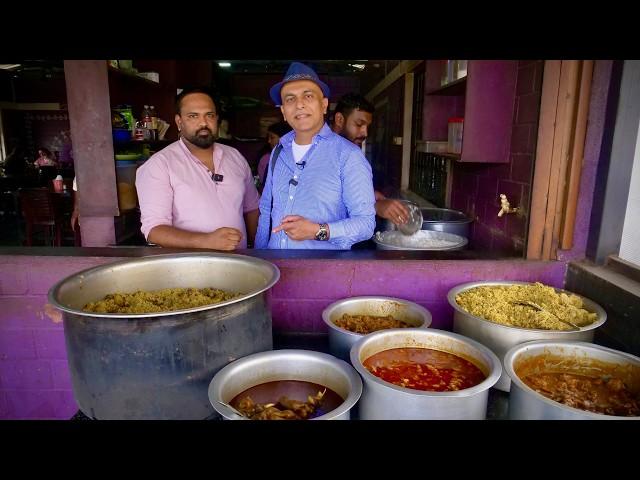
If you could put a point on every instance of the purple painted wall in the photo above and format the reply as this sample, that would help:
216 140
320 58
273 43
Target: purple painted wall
476 187
34 379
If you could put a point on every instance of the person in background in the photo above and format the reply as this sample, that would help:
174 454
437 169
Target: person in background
45 159
197 193
75 214
274 132
319 194
352 118
15 163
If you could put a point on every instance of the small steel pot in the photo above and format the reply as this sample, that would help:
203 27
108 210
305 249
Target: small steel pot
303 365
500 338
341 340
578 357
384 401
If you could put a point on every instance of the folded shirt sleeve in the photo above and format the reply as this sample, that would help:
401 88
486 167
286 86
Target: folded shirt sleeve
155 196
359 199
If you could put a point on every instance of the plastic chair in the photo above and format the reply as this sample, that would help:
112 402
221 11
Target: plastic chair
40 209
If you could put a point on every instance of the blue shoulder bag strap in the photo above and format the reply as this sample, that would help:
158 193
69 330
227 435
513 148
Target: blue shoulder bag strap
270 175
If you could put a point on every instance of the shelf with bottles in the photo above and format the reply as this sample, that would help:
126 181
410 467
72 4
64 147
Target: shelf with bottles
151 143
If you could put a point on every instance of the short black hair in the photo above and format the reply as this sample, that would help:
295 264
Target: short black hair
199 89
351 101
279 128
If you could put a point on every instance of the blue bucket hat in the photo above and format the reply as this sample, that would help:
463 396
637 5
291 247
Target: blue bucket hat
297 71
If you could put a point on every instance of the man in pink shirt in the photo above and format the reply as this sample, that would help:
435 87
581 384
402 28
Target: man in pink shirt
197 193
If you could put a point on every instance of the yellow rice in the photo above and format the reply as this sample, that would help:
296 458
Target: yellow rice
496 304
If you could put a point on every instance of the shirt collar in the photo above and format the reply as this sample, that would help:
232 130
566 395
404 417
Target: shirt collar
217 153
324 133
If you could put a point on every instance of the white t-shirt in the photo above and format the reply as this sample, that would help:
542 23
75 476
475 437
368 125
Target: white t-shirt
299 151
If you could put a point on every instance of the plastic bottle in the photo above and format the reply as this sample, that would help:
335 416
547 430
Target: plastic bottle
154 122
147 123
456 126
146 117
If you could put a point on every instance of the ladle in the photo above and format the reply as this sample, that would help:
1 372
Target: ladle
535 306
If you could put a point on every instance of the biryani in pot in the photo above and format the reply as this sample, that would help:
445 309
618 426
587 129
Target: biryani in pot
504 304
166 300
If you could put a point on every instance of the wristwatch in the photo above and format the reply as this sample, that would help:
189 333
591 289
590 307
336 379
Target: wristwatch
323 233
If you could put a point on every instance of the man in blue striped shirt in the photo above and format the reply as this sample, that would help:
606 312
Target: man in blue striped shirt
320 192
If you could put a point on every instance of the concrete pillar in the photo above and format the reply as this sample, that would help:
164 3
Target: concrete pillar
90 119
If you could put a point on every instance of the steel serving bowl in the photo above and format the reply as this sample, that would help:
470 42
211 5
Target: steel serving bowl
341 340
500 338
384 401
303 365
576 357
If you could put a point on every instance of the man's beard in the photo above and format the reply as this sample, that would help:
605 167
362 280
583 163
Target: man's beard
202 141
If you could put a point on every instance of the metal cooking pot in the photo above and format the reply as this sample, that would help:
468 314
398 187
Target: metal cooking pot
159 365
527 404
500 338
341 340
441 220
384 401
303 365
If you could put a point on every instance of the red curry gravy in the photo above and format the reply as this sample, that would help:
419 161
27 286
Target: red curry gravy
424 369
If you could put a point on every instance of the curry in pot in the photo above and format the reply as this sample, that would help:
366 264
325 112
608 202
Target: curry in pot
424 369
604 395
365 324
286 400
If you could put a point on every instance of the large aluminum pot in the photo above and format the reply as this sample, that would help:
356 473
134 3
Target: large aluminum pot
500 338
341 340
159 365
575 357
384 401
441 220
303 365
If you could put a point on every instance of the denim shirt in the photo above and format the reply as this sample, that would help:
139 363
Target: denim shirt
334 186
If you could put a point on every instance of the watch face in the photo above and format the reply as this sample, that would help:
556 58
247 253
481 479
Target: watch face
322 234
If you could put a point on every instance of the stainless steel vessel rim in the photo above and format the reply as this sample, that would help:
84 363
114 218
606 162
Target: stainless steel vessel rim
508 366
448 221
492 378
466 219
347 369
451 296
462 243
55 288
330 324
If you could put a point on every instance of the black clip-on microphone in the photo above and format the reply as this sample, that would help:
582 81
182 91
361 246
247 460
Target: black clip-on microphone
217 178
300 166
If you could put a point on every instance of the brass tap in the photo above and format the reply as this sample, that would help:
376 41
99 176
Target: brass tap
505 206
